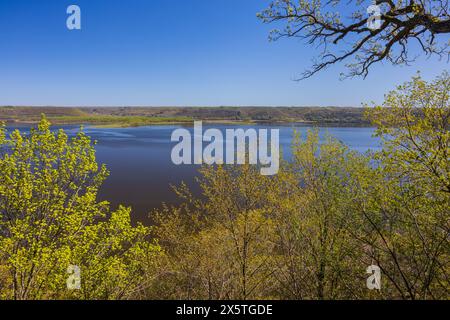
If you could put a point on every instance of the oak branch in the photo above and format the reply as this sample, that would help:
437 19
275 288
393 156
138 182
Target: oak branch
351 40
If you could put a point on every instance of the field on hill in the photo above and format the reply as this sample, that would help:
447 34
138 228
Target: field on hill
138 116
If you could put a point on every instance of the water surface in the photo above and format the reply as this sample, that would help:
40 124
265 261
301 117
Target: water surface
141 170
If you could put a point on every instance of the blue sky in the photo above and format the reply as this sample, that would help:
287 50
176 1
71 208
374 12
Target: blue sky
168 53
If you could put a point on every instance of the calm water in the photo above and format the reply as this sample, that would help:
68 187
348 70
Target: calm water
141 170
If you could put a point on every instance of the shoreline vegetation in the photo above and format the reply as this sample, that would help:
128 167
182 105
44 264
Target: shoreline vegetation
143 116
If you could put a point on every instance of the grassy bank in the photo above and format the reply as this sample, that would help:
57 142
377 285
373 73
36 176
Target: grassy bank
117 121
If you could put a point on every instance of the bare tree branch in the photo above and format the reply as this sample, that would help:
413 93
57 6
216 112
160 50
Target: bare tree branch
321 23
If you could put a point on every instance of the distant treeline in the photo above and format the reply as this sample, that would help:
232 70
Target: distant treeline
145 115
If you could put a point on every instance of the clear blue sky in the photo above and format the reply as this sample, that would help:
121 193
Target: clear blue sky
168 53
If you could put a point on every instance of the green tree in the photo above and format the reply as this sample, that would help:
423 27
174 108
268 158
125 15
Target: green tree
50 219
320 256
406 206
414 123
218 246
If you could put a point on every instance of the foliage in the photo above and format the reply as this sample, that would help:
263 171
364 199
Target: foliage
50 219
309 232
408 220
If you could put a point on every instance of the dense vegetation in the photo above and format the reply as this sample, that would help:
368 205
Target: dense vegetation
309 232
135 116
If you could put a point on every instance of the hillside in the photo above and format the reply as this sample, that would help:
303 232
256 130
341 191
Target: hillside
129 116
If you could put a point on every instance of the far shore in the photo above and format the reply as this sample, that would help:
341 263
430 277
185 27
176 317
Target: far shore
121 117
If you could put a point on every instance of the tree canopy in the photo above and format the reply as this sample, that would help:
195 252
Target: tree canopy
50 219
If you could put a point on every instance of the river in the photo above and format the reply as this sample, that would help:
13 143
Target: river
141 170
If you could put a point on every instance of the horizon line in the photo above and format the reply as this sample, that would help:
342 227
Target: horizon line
177 106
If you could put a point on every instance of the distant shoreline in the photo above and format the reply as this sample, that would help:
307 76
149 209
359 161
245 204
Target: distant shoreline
114 117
